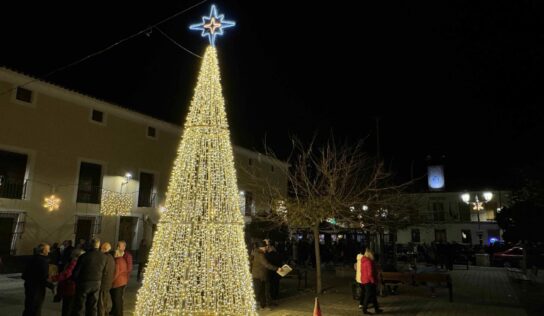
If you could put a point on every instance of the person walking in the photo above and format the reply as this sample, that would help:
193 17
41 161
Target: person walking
143 255
88 276
369 279
259 272
120 281
66 287
275 259
104 297
36 276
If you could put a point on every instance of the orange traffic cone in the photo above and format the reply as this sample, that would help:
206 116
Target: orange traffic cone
317 309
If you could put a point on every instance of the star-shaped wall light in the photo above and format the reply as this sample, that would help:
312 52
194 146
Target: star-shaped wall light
51 203
212 25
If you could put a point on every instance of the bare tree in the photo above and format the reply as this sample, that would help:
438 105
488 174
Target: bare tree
334 182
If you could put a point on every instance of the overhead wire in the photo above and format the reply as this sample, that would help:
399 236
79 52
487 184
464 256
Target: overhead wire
145 30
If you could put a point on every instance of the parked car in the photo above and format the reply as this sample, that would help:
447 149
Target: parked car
509 258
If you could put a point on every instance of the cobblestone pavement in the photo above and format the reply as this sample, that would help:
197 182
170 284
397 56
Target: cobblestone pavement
478 291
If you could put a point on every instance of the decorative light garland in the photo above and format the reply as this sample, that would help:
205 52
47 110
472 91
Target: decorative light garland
198 264
116 203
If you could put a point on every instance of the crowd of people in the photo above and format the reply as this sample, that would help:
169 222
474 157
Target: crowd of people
88 279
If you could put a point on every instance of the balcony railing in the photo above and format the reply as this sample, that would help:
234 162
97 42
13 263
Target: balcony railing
12 188
89 194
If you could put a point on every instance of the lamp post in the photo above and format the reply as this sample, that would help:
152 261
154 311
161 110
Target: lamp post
477 205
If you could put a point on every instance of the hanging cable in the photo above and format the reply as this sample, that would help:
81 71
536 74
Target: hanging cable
176 43
145 30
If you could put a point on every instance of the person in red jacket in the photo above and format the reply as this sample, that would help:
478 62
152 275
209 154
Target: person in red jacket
66 288
120 281
369 279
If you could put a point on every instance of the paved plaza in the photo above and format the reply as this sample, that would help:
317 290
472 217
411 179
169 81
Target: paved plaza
477 291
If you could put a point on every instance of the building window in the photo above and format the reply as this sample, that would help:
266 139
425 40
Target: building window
23 95
97 116
12 174
415 235
89 185
151 132
87 227
440 235
145 192
438 212
466 236
246 203
464 212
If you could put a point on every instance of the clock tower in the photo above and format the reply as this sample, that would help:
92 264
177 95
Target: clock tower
435 173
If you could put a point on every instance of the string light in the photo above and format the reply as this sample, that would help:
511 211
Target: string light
115 203
198 264
51 203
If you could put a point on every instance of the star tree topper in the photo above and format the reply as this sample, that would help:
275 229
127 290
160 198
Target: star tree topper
212 25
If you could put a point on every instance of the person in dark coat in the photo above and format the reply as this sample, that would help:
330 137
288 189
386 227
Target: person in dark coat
259 272
66 255
36 276
66 288
88 276
275 259
104 297
54 254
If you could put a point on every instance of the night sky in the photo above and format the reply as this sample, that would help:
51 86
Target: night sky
459 79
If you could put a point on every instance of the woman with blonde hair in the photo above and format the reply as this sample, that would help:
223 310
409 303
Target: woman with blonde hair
369 279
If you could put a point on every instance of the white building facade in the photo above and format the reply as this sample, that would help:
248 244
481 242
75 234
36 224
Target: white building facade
445 217
54 141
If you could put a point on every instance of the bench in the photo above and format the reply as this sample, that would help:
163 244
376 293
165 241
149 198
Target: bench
394 278
413 279
437 278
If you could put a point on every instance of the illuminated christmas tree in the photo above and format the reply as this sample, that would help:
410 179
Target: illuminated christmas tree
198 263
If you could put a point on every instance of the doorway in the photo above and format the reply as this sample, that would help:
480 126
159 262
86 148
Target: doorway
6 235
84 229
127 230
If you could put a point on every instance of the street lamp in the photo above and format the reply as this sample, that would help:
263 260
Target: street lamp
477 205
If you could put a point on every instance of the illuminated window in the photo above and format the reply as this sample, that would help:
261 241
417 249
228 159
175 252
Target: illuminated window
466 236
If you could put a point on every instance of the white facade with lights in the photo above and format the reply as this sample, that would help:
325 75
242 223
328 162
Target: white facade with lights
447 217
68 153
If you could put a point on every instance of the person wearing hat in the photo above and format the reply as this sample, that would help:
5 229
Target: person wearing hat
259 272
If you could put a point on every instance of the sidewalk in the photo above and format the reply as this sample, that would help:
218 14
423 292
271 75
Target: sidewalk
478 291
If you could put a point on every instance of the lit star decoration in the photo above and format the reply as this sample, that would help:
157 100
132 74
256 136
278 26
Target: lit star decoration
115 203
212 25
478 206
52 203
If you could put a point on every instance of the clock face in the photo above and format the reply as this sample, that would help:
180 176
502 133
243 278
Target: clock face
436 177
